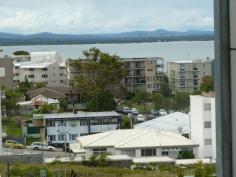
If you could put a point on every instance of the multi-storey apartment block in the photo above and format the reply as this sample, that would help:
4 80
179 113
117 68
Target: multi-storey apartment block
7 80
143 73
203 126
187 75
46 67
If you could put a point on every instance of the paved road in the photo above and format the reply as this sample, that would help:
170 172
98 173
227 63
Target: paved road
46 154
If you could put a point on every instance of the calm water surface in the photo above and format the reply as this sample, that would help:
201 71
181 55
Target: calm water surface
183 50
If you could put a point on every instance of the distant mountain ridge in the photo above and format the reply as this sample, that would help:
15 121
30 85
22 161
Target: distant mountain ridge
134 36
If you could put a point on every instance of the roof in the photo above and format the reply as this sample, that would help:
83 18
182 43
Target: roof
52 92
50 56
177 122
39 100
79 114
134 138
154 160
34 65
191 61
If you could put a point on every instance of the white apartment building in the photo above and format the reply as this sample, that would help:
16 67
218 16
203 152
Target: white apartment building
187 75
61 127
143 73
46 67
203 128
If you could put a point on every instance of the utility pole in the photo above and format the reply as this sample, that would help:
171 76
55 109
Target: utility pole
2 74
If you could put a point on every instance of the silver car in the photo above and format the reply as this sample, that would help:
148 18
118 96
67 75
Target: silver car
40 146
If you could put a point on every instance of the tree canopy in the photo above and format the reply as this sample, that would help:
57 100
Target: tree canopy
207 84
99 74
21 52
165 87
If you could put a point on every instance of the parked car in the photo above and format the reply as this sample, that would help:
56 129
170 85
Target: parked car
140 118
13 144
154 112
126 110
162 112
41 146
134 111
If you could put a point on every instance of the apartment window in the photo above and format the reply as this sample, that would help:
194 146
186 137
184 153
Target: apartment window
52 137
30 69
44 76
61 74
72 136
149 85
51 124
44 69
61 81
61 137
208 141
207 106
73 123
156 85
99 151
62 124
31 76
149 69
149 78
207 124
138 65
83 123
62 67
164 153
148 152
17 67
17 74
129 152
182 82
195 82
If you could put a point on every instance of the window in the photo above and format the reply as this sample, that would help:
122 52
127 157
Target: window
51 124
207 124
149 85
129 152
61 81
83 123
149 69
182 82
195 82
62 124
148 152
73 123
52 137
164 153
99 151
31 76
44 76
73 136
61 137
17 74
30 69
17 67
61 74
208 141
149 78
114 121
94 122
44 69
207 106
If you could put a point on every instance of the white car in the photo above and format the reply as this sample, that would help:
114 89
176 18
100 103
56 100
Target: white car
140 118
134 111
162 112
40 146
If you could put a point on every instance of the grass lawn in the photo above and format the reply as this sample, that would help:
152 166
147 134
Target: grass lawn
56 169
11 127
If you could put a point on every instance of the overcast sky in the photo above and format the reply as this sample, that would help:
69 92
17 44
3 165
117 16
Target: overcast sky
104 16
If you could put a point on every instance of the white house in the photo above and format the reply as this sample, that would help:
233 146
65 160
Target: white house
61 127
203 128
136 143
176 122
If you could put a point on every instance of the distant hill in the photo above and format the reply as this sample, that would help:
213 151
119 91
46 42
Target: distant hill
125 37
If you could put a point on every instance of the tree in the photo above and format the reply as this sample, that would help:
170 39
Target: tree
23 87
142 97
100 74
21 52
10 102
207 84
40 85
165 87
158 100
181 101
46 108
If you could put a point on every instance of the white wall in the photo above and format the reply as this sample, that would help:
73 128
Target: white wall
198 132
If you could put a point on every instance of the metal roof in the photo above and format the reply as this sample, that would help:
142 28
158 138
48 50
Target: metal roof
135 138
79 114
177 122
